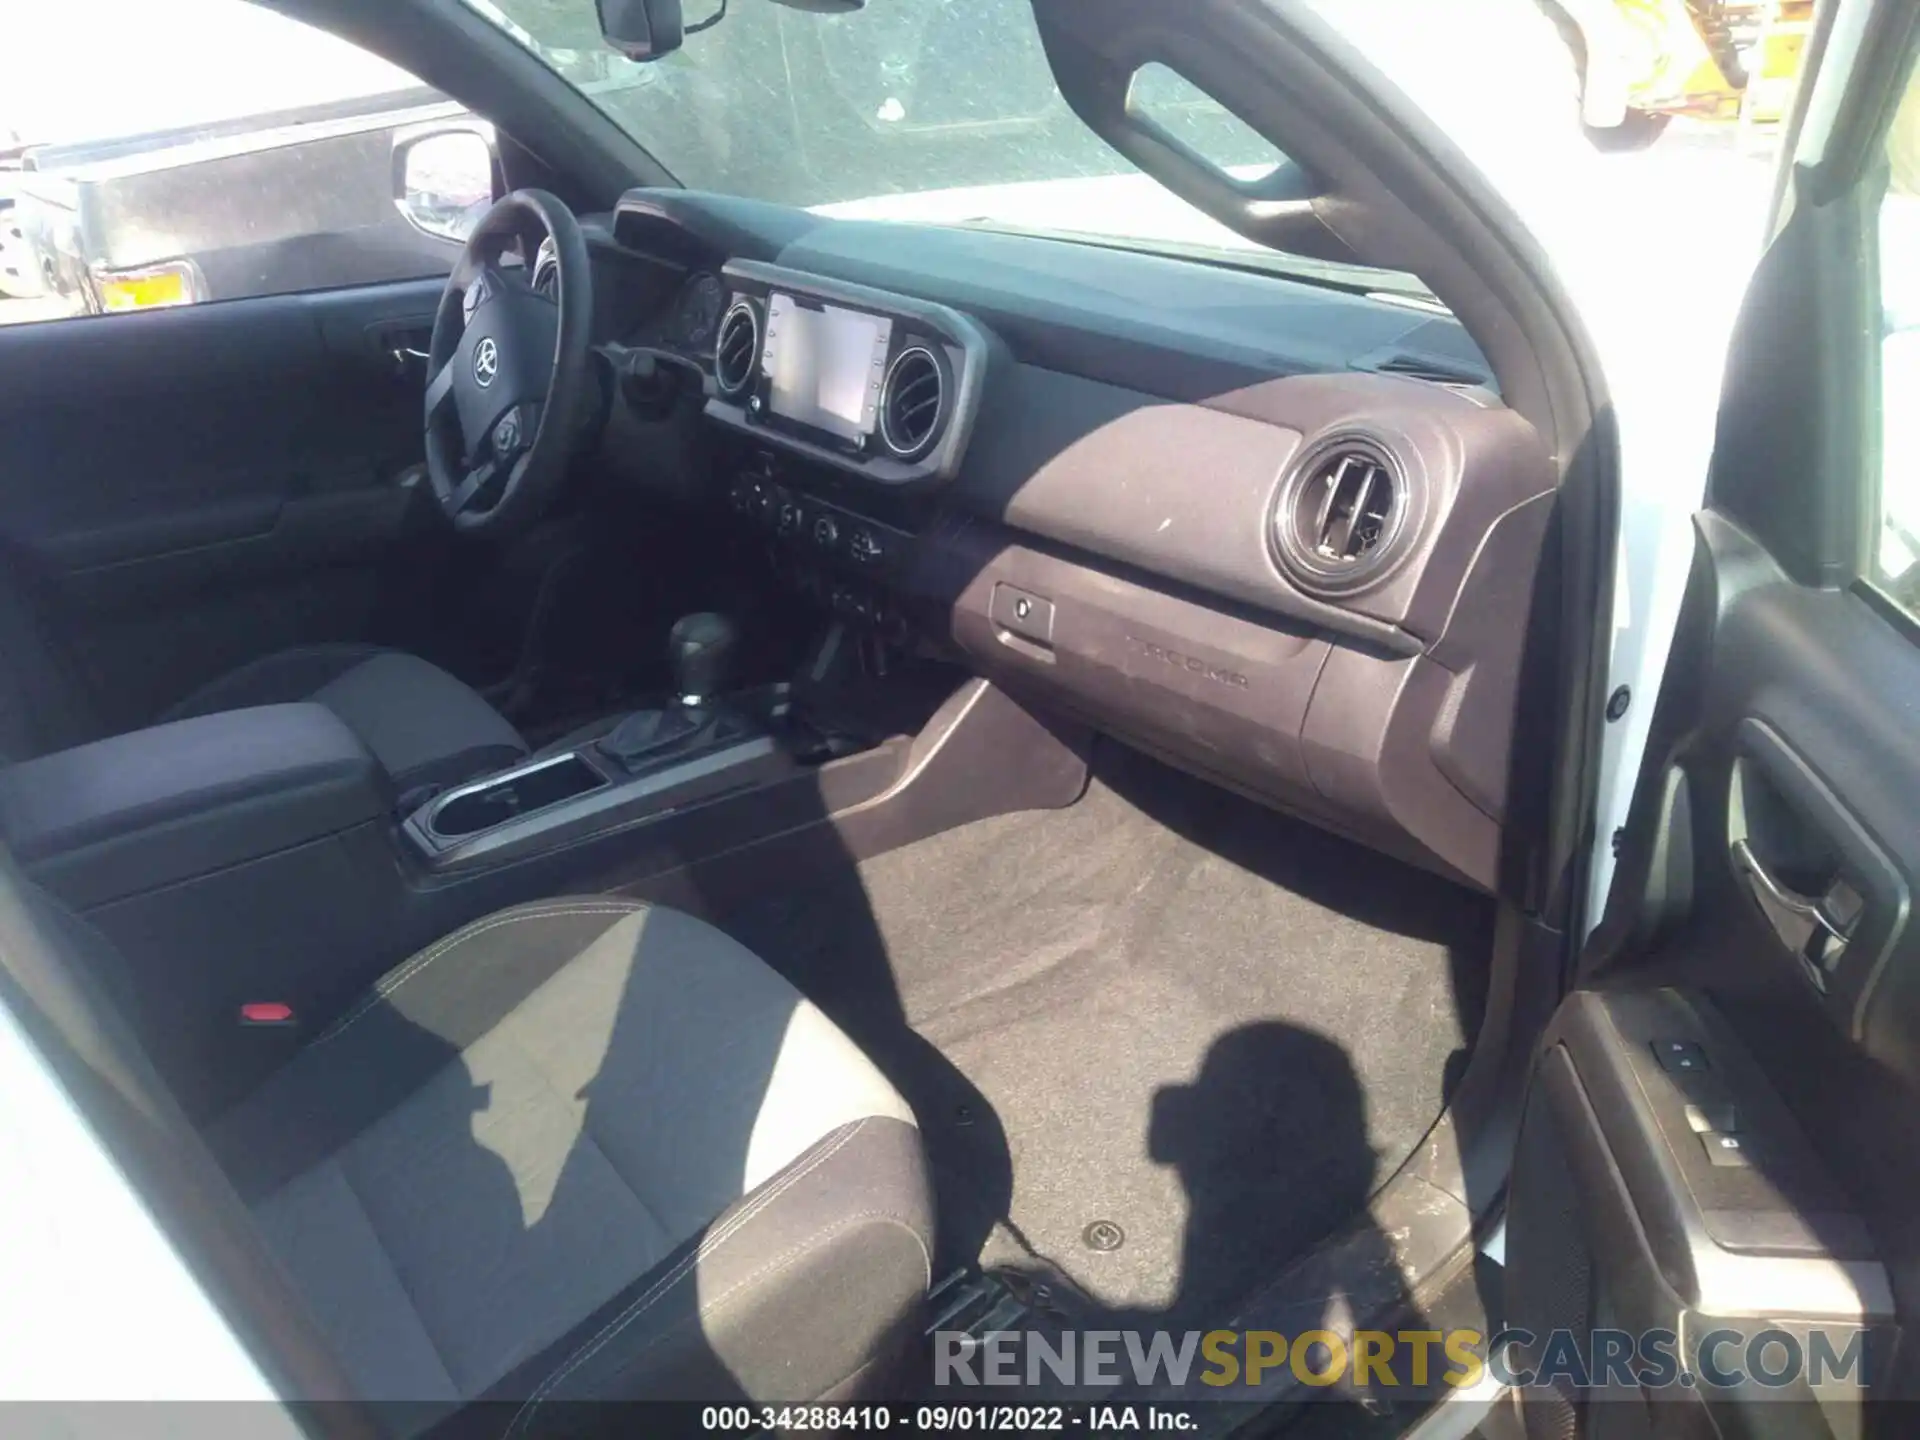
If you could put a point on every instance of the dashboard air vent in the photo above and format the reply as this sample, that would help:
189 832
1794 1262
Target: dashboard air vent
912 402
1427 367
1341 515
736 349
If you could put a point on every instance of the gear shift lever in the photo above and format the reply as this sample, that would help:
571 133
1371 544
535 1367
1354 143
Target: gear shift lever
701 649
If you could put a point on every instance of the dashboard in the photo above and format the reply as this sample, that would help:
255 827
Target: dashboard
697 307
1285 535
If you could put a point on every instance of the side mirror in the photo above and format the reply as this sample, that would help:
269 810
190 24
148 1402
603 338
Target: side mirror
642 29
445 180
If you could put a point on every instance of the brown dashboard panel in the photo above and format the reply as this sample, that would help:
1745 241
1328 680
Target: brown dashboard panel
1397 751
1189 492
1132 578
1227 692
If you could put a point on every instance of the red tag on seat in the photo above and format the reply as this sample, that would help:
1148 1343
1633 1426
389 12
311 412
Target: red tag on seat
266 1012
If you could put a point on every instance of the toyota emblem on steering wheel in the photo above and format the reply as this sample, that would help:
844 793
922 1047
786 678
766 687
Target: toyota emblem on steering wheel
486 361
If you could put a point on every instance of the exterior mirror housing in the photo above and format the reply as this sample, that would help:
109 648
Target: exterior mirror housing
445 179
642 29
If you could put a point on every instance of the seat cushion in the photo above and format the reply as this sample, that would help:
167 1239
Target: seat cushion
424 726
590 1149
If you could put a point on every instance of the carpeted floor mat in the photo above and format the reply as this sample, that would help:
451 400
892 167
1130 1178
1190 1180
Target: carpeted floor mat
1165 1017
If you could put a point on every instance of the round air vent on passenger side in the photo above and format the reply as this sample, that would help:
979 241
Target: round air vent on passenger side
913 402
736 349
1339 522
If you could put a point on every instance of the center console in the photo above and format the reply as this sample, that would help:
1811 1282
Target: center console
168 806
842 411
708 741
590 790
234 859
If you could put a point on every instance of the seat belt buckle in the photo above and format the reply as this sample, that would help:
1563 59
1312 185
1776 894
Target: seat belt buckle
268 1014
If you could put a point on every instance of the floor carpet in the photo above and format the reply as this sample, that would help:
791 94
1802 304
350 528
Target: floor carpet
1163 1017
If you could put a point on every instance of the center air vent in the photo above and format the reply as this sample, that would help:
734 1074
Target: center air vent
736 349
1340 520
912 402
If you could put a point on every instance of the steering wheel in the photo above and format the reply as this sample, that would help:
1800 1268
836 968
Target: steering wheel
509 368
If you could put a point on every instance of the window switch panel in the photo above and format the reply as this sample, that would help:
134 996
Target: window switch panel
1725 1152
1708 1116
1680 1057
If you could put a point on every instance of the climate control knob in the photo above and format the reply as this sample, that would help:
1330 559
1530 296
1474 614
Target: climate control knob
826 532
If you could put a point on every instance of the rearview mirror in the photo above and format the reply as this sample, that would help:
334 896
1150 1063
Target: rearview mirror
443 181
642 29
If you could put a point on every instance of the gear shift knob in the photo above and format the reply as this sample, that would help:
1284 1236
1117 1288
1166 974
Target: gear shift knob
701 650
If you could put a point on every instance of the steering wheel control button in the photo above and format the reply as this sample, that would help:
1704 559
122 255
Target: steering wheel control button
1680 1057
792 517
826 533
506 435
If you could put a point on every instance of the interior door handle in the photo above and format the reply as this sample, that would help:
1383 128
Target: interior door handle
409 363
404 343
1806 926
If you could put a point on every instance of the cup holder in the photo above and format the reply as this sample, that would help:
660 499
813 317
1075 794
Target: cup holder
468 812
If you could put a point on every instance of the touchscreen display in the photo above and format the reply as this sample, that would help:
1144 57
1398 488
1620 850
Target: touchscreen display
826 365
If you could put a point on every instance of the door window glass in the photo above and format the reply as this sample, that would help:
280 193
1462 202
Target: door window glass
1897 552
230 152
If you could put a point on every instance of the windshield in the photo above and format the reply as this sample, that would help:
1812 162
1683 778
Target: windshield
937 110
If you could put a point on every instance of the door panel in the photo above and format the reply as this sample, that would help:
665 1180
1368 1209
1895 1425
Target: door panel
188 488
1718 1134
1720 1128
1807 777
1633 1212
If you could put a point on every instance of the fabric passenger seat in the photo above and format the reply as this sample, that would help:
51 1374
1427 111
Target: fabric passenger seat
589 1148
581 1150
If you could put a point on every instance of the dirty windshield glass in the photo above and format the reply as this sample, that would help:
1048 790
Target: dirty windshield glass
936 110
